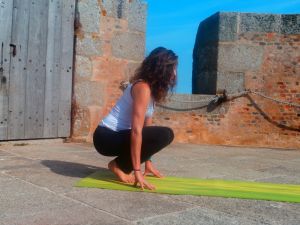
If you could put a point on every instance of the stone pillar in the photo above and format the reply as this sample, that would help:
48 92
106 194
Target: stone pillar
205 56
110 44
221 57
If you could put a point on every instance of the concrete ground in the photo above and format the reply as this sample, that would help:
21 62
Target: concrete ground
37 186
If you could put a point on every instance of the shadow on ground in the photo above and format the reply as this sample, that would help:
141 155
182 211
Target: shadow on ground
71 169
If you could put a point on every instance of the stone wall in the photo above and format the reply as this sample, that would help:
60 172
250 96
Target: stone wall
110 44
236 51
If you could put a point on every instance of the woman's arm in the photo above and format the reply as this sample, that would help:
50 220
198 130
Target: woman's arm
141 95
141 98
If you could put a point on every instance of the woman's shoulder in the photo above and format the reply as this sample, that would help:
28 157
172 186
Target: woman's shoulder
140 85
140 89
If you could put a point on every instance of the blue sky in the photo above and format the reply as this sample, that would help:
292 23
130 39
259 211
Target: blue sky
173 24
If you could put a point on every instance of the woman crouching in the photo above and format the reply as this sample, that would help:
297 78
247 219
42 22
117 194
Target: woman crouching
126 132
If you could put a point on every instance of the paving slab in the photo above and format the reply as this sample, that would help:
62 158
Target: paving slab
25 203
135 205
259 212
37 186
195 215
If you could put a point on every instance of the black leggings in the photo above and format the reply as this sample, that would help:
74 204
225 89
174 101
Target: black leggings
112 143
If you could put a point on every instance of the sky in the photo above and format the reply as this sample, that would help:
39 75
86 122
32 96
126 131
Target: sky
173 24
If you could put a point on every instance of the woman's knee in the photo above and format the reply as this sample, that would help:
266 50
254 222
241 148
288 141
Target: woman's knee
170 135
166 135
158 134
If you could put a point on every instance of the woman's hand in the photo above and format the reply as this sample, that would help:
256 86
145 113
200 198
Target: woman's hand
139 179
149 169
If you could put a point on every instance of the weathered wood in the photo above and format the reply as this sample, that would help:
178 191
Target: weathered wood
6 7
36 76
66 68
18 69
53 65
35 102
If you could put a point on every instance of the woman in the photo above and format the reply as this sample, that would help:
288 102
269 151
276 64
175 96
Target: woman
126 132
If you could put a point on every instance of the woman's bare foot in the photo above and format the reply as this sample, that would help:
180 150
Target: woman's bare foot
150 170
126 178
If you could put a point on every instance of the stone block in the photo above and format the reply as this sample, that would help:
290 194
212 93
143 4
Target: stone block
262 23
228 26
89 93
204 67
218 27
290 24
106 68
137 14
205 83
130 70
83 66
239 58
89 15
129 46
208 31
90 45
81 122
232 82
205 59
117 8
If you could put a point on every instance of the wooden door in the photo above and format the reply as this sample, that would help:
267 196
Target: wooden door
6 9
40 69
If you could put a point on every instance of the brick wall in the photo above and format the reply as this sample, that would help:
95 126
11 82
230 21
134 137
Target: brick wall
110 43
235 52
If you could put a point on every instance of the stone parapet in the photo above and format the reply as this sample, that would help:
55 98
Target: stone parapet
237 52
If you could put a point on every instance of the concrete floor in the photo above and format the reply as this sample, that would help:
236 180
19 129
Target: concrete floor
37 186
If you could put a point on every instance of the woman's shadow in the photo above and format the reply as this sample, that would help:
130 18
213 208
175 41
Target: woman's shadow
72 169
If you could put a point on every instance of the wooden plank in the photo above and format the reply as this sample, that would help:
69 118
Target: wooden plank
6 8
53 65
36 76
64 124
18 70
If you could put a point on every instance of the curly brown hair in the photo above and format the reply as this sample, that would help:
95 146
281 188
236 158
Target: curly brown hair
158 70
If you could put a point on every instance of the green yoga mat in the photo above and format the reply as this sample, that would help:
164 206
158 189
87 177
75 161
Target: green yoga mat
200 187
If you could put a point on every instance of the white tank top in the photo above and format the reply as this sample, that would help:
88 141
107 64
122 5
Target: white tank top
119 118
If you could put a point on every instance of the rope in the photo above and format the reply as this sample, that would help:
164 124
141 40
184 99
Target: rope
217 99
275 100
